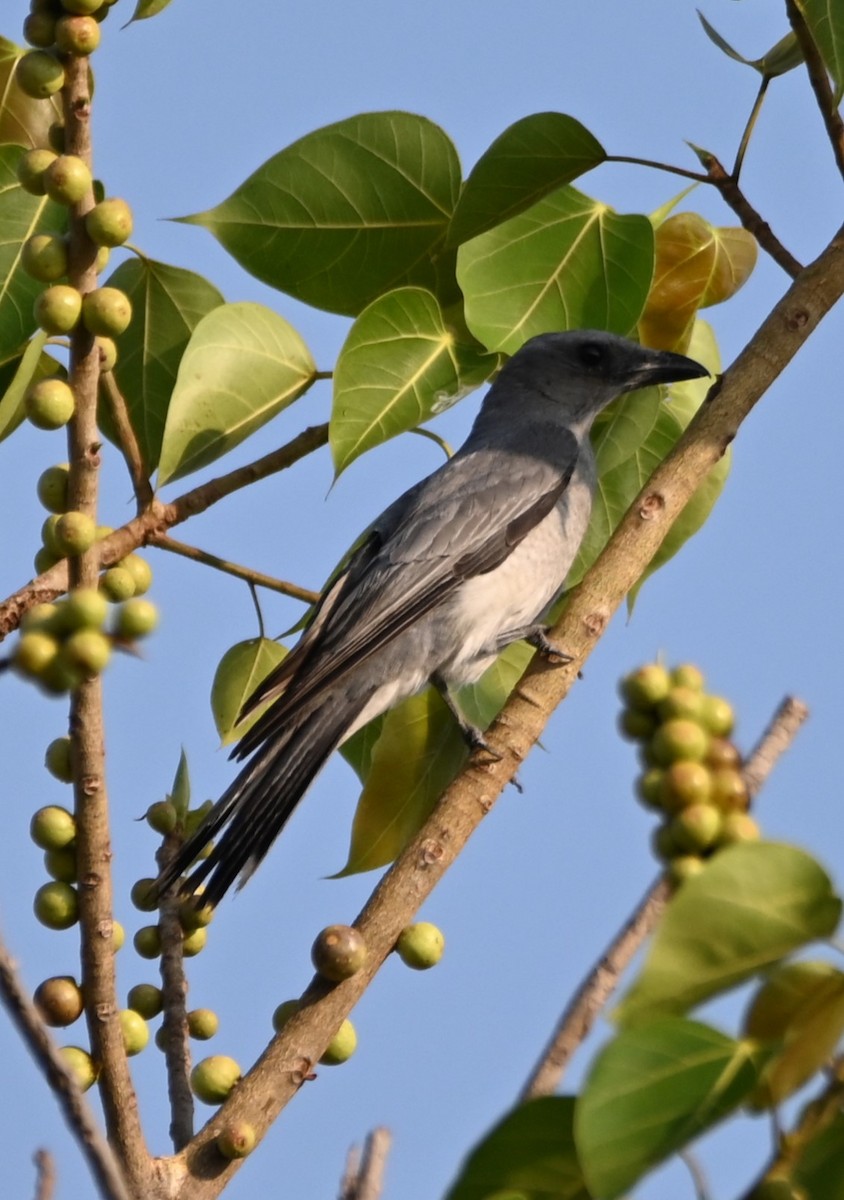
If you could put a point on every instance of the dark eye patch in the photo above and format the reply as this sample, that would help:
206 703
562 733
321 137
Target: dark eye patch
591 354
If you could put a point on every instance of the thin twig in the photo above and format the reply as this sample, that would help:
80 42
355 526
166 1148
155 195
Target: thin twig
749 127
129 447
174 987
780 733
157 519
702 1191
363 1178
819 79
45 1174
48 1058
257 578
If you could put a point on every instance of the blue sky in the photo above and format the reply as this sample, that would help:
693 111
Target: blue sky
187 105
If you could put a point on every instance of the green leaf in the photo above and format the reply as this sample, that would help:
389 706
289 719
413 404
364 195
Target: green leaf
23 121
783 56
168 303
21 215
825 20
241 669
347 212
148 8
530 1151
399 366
418 753
652 1090
32 364
243 365
569 262
752 904
180 794
481 702
820 1166
533 157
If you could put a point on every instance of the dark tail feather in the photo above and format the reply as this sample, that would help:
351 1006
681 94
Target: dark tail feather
258 804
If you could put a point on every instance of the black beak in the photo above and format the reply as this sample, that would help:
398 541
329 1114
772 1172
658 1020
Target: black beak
663 366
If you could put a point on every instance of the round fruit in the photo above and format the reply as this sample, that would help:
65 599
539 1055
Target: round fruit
59 676
683 867
56 905
57 308
39 29
139 569
147 941
56 137
738 827
283 1013
679 740
649 788
34 653
80 1065
681 702
89 650
135 618
135 1031
52 827
697 827
722 753
59 1001
67 180
49 403
146 999
44 257
338 952
717 716
663 844
685 783
195 916
687 675
118 936
106 311
162 816
117 584
213 1078
194 942
39 74
48 537
143 896
341 1047
729 790
85 8
636 725
61 864
77 35
421 945
85 608
108 353
30 170
75 533
52 488
57 759
43 618
237 1139
643 689
203 1023
109 223
43 560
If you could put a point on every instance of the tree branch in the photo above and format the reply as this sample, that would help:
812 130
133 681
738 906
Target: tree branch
288 1060
47 1055
174 986
819 79
364 1175
163 542
45 1175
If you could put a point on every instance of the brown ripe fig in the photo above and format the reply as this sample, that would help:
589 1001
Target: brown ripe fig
696 828
59 1001
44 257
56 905
717 716
644 688
722 753
52 488
77 35
58 761
684 783
681 702
679 740
421 945
338 952
636 725
57 309
39 74
49 403
52 827
236 1139
341 1047
67 180
81 1066
109 223
203 1023
106 311
213 1078
30 170
729 790
146 999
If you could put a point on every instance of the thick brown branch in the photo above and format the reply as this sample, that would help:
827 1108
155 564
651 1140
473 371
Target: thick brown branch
43 1049
163 542
126 439
819 79
157 519
174 986
287 1062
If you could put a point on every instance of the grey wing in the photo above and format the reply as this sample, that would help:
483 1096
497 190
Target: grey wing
462 521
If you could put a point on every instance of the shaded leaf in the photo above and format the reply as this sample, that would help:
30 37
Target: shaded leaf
180 793
399 366
783 56
481 702
21 215
530 1151
243 365
168 303
531 158
241 669
21 372
568 262
820 1166
752 904
825 20
23 120
651 1091
347 212
358 749
148 8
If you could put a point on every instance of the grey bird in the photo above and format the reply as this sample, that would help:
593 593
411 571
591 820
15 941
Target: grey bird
464 563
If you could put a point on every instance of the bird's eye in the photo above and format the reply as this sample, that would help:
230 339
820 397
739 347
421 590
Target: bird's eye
591 354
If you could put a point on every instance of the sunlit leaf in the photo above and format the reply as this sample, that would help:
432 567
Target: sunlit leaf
399 366
347 212
241 669
167 304
21 372
752 904
650 1091
530 1153
533 157
243 365
23 121
569 262
825 20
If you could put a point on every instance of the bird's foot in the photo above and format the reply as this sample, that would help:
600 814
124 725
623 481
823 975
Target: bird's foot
538 638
